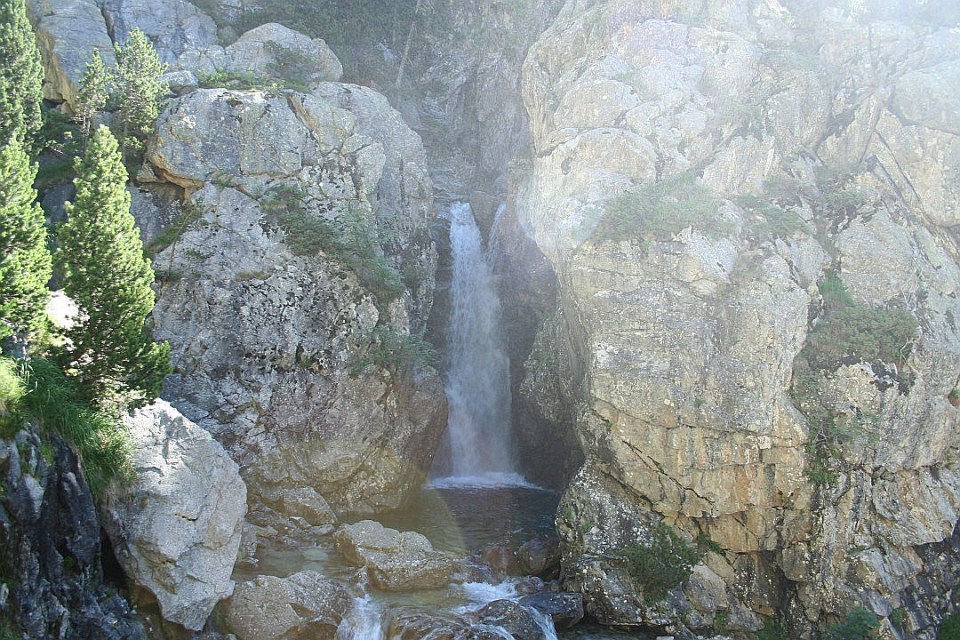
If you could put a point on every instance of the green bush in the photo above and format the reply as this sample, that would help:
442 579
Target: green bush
57 405
662 564
862 334
851 333
860 624
396 352
774 222
661 209
350 239
774 630
12 389
950 628
190 212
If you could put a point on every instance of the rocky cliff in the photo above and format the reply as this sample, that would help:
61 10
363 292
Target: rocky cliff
741 202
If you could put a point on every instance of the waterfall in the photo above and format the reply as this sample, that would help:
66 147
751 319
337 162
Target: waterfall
478 377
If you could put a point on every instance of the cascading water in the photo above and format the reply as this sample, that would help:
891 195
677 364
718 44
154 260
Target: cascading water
478 377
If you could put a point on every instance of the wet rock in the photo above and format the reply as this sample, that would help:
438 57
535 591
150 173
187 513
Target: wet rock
50 555
409 623
502 560
394 560
516 620
176 528
565 609
305 605
540 557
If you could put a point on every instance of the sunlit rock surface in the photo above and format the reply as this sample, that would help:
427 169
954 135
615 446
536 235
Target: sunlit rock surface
176 528
676 352
395 560
293 357
303 605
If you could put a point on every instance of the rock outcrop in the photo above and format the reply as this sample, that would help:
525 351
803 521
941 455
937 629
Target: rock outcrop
51 577
67 35
771 152
395 560
304 605
294 301
176 528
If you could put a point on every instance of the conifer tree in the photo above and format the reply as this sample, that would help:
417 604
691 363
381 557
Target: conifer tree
139 89
93 95
21 75
25 263
104 271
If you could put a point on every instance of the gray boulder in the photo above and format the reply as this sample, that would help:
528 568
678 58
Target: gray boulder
564 609
395 561
174 26
304 605
176 528
275 51
67 34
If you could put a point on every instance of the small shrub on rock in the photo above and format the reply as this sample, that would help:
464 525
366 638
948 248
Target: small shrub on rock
662 564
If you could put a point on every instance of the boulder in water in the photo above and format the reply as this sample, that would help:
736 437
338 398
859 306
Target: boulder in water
513 618
565 609
540 557
304 605
395 560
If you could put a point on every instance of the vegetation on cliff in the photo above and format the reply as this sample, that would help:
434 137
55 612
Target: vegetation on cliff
108 350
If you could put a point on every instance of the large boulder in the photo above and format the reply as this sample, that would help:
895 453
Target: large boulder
395 560
173 26
68 33
309 241
51 580
275 51
304 605
176 528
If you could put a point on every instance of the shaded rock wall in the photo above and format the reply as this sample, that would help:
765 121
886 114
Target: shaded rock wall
51 576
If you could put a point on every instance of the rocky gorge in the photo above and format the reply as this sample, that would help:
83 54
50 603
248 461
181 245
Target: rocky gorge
726 234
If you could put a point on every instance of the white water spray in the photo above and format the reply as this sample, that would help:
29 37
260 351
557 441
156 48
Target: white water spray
478 379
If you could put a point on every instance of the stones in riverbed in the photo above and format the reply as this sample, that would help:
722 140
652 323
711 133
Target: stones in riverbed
565 609
395 560
303 605
513 618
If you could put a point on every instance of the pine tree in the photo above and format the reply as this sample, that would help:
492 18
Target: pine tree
21 74
109 349
25 263
139 89
93 95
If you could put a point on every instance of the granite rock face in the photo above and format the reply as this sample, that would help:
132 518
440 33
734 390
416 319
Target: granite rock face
176 529
679 353
293 300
